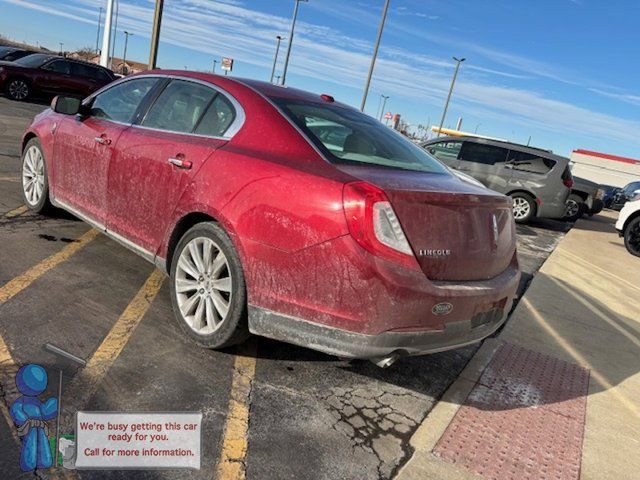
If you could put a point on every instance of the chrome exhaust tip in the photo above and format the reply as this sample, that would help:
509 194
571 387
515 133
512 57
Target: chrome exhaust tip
386 361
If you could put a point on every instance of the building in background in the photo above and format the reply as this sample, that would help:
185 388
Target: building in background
605 169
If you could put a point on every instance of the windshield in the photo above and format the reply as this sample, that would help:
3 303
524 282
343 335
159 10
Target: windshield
347 136
33 61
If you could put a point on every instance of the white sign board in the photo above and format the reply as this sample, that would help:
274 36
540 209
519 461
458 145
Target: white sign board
227 64
138 440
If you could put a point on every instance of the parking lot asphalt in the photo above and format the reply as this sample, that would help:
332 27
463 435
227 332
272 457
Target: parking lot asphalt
298 413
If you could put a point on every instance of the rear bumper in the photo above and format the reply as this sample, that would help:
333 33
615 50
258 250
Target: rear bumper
347 344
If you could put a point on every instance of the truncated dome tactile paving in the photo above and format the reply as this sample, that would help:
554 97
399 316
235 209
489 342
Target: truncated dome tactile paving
524 419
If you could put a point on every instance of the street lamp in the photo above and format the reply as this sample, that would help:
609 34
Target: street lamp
275 57
215 62
124 55
293 27
477 126
106 35
375 54
453 81
384 104
61 44
115 33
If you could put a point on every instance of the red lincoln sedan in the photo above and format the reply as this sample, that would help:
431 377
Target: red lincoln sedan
281 213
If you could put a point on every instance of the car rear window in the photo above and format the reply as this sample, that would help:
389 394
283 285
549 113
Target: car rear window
529 162
33 61
347 136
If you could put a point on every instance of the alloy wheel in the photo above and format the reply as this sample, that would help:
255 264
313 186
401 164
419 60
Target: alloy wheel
521 208
18 90
33 175
203 285
633 238
572 208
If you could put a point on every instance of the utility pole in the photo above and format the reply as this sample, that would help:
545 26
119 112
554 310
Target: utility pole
155 34
293 27
124 55
275 57
375 54
106 35
98 36
384 104
453 82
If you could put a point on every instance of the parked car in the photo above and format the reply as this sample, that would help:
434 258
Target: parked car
51 75
360 245
629 191
628 224
538 181
610 193
586 198
11 54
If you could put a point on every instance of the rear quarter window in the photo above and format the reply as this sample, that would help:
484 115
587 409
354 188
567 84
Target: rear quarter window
529 162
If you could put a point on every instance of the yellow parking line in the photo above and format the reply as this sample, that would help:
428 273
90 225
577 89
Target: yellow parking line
15 286
15 212
10 179
85 383
234 445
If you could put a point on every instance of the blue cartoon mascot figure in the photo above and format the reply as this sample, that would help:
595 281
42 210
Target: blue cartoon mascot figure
31 415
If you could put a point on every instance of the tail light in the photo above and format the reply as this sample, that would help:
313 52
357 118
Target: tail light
568 182
374 225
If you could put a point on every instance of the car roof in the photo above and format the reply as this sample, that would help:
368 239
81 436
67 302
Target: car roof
498 143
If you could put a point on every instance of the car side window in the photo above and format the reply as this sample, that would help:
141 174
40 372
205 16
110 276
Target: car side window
180 107
217 118
445 151
483 154
120 102
59 66
82 70
529 162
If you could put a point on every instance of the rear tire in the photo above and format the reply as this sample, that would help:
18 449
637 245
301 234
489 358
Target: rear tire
575 208
632 237
524 207
208 291
35 181
18 89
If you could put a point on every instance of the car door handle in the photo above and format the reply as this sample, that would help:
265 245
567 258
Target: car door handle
103 140
185 165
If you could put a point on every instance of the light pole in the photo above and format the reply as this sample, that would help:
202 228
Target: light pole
106 35
384 104
215 62
375 54
115 33
155 34
275 57
278 77
124 55
453 82
476 129
61 45
98 36
293 27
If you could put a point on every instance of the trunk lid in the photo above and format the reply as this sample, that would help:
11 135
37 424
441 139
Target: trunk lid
457 230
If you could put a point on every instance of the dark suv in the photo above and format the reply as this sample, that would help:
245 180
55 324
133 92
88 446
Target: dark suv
538 181
51 75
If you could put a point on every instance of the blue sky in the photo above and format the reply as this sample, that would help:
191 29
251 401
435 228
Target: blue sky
564 72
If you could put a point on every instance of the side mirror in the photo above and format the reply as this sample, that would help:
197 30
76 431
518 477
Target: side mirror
66 105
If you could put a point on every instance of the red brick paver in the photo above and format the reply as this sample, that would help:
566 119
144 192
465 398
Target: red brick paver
524 419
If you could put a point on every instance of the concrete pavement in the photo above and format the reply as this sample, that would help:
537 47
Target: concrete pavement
581 314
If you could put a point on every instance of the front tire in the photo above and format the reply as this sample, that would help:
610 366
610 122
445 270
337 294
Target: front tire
524 207
208 291
35 181
18 89
632 237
